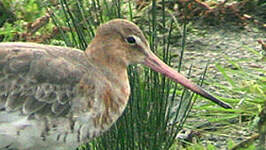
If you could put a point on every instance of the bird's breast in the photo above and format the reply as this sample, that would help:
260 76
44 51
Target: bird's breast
101 103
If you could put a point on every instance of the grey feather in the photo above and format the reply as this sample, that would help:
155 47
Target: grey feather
40 93
33 77
32 105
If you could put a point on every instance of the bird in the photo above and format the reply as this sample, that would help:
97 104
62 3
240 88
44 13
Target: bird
57 98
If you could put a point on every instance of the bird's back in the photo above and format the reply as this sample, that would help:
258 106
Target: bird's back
48 97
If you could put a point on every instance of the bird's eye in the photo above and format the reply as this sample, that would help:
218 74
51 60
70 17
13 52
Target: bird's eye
131 40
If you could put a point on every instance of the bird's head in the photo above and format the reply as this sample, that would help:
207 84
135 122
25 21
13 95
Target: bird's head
123 42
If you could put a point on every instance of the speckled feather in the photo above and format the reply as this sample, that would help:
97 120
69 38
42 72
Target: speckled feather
50 95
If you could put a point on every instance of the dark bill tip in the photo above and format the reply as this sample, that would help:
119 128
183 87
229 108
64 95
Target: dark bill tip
213 99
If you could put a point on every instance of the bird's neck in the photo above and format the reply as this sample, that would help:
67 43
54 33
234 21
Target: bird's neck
107 57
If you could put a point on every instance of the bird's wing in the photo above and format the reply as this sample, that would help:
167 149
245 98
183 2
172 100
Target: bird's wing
38 79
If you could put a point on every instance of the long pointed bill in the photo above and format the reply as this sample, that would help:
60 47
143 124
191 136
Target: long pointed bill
157 65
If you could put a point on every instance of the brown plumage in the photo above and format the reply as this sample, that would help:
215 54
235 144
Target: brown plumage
57 98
